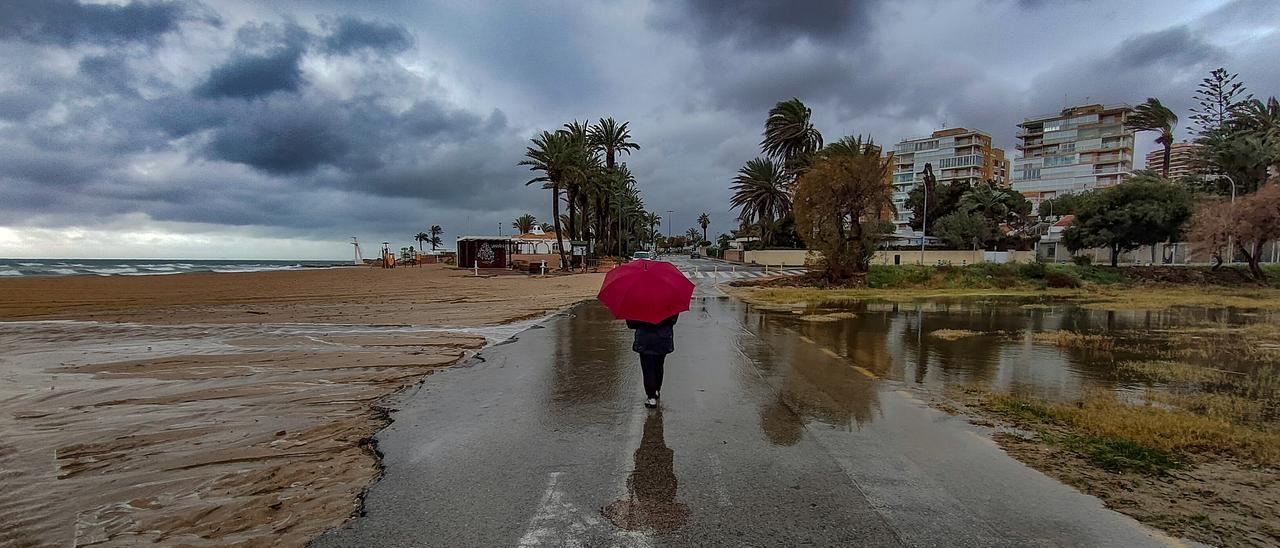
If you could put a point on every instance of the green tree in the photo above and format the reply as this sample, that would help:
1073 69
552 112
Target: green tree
838 205
960 230
547 227
1142 211
421 237
524 224
789 135
704 221
944 199
760 192
1063 204
1154 116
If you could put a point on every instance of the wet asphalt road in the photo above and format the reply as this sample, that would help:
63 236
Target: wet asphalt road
763 438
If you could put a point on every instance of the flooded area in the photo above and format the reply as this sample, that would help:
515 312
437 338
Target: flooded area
1057 352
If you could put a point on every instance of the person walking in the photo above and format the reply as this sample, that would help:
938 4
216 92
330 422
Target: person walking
649 295
653 342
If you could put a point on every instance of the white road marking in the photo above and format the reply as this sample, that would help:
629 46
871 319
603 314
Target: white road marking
559 522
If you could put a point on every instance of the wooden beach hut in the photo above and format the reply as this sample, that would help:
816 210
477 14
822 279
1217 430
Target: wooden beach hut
484 251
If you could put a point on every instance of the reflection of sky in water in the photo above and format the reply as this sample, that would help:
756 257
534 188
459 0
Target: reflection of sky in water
893 341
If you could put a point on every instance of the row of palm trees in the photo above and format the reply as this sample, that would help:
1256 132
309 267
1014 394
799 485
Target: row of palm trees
579 164
762 189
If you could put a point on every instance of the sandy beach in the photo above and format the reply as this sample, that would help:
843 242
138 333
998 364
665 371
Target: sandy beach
223 409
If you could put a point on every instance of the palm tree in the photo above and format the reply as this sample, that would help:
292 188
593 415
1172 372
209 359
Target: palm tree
435 232
704 221
694 236
558 157
524 224
789 135
421 237
611 138
546 227
1154 116
986 200
760 191
652 219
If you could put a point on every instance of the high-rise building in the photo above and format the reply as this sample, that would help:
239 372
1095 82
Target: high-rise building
957 154
1082 148
1182 160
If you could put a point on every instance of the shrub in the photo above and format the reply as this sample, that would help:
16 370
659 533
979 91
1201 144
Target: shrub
1082 260
1061 280
1034 271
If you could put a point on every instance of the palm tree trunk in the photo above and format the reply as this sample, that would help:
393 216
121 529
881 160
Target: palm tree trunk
1168 149
555 212
573 218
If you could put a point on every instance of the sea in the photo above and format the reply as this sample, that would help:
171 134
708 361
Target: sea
146 267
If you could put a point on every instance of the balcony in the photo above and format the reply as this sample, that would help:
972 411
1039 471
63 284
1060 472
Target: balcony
1106 169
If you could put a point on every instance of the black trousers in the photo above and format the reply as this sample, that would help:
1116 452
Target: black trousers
651 366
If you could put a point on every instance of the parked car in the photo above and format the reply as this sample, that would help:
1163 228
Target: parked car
695 255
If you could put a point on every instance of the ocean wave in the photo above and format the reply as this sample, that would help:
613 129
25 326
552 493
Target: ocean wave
66 271
30 264
8 272
109 271
158 268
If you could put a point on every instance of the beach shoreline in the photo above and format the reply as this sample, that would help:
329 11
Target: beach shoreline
226 408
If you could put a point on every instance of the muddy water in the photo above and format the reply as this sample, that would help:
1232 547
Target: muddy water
118 434
897 342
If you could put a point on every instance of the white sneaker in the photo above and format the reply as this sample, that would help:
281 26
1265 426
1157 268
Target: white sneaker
651 403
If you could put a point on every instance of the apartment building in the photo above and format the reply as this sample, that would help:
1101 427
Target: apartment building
1081 148
1182 160
957 154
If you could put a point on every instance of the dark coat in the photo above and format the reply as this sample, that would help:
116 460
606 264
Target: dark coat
654 338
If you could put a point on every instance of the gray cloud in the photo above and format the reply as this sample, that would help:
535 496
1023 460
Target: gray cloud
764 24
249 75
379 120
69 22
350 34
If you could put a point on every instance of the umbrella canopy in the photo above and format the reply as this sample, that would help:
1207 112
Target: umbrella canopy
644 290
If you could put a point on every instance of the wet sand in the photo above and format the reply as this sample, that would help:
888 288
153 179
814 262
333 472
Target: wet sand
223 409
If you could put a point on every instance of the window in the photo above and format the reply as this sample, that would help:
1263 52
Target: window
1053 161
904 177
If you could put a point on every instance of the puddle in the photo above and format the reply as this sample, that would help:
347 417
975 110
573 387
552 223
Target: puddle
823 359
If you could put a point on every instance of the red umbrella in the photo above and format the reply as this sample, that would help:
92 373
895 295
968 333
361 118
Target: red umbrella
644 290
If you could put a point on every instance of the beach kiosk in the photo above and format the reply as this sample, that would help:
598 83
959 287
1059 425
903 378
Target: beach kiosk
484 251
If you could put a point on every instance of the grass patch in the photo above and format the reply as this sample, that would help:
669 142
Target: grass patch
1218 405
1097 421
1171 371
1117 454
953 334
1071 339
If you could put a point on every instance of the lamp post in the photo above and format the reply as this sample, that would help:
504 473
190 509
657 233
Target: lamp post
668 219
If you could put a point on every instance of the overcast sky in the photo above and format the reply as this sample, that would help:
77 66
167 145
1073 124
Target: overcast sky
225 129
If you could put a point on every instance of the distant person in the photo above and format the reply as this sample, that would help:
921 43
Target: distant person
653 343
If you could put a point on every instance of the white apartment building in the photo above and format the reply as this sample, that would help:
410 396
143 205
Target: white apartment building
1081 148
957 154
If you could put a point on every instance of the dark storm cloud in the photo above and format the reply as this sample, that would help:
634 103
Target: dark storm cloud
69 22
764 24
324 122
1176 46
249 75
349 34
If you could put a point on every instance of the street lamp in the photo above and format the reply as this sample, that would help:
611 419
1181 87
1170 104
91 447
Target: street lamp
668 219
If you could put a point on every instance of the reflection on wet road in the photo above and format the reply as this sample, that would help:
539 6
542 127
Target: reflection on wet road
773 430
